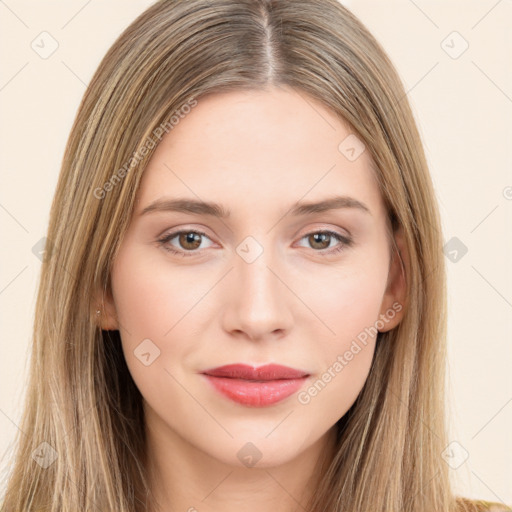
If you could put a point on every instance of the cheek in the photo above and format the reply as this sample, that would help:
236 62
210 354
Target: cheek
333 391
344 356
345 299
348 305
150 297
154 306
151 304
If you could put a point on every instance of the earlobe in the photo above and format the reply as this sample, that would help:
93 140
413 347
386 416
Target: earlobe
395 296
105 311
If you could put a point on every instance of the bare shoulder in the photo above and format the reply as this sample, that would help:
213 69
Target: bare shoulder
468 505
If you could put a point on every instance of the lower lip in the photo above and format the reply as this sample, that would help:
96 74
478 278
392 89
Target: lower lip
253 393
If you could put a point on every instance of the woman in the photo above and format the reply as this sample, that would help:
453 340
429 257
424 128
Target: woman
244 304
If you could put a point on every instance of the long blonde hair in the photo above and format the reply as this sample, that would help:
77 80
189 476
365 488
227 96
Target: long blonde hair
81 399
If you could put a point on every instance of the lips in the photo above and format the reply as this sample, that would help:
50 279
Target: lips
262 373
256 387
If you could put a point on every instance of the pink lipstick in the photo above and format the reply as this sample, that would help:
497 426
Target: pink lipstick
256 387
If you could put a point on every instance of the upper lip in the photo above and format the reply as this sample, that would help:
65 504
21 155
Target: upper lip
265 372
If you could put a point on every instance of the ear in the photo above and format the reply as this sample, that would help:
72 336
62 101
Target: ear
394 300
104 303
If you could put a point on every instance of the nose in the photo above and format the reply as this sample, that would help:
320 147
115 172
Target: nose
259 303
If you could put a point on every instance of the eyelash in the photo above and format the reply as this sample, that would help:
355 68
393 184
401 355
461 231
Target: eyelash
345 242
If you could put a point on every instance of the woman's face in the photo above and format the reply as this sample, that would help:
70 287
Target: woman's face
263 284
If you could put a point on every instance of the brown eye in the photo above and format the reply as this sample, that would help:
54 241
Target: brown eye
319 240
189 240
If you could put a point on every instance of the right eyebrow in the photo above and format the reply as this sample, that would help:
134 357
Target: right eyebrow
186 206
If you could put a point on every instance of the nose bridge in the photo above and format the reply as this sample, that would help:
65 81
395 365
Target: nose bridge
260 303
257 282
258 286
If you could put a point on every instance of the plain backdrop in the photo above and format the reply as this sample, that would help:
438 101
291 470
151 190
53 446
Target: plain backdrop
454 58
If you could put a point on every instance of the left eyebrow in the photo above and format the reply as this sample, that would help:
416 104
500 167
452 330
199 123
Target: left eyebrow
333 203
194 206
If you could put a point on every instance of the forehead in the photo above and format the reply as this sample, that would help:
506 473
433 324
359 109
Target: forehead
259 148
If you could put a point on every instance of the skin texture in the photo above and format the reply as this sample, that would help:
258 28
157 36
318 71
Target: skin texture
256 153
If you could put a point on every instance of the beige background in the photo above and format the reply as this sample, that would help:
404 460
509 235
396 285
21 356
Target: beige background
463 104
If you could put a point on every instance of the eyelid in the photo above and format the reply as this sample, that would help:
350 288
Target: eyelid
169 235
344 241
343 232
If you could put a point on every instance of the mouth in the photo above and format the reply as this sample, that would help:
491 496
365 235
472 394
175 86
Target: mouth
256 387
